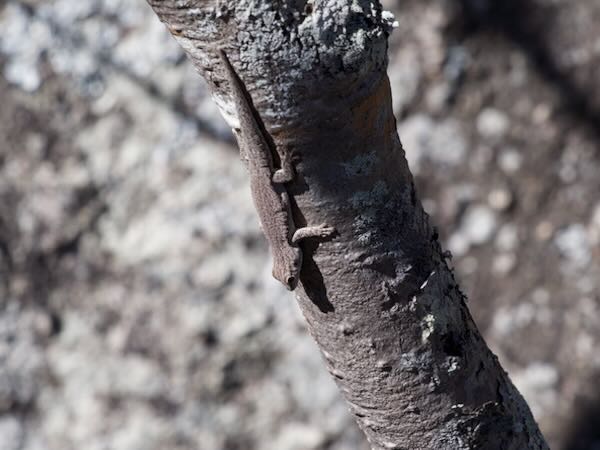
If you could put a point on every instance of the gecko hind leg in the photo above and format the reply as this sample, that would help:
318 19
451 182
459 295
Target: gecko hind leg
321 231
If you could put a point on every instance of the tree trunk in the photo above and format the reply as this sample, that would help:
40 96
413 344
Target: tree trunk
379 299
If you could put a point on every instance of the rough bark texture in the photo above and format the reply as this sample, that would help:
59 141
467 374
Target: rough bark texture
379 299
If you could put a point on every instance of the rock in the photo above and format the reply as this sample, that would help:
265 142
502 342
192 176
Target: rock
544 230
479 224
596 217
476 228
298 436
441 143
574 245
568 172
500 199
504 263
541 113
145 60
22 66
507 238
539 376
541 297
405 74
458 244
594 226
481 159
492 123
21 360
538 383
438 96
457 60
11 433
469 265
510 160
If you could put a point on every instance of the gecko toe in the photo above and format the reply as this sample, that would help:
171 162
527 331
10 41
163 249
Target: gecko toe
326 230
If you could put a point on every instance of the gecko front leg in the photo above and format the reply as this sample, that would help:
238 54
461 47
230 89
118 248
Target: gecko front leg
322 231
286 173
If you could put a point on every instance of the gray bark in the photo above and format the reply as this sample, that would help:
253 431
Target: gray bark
379 299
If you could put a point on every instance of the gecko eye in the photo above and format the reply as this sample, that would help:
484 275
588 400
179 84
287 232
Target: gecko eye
291 283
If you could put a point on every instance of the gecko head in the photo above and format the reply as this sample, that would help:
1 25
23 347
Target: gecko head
289 273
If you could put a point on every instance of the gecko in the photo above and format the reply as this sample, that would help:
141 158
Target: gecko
267 185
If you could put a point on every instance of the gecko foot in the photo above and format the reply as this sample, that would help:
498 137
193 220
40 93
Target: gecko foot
286 173
320 231
282 176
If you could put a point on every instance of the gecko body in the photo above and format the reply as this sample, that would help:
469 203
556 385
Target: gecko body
269 193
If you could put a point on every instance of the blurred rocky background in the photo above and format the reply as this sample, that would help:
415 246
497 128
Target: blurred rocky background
137 309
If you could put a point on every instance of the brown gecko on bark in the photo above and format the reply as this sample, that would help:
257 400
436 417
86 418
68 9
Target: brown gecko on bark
270 196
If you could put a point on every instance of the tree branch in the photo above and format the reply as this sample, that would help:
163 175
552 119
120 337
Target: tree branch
379 299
